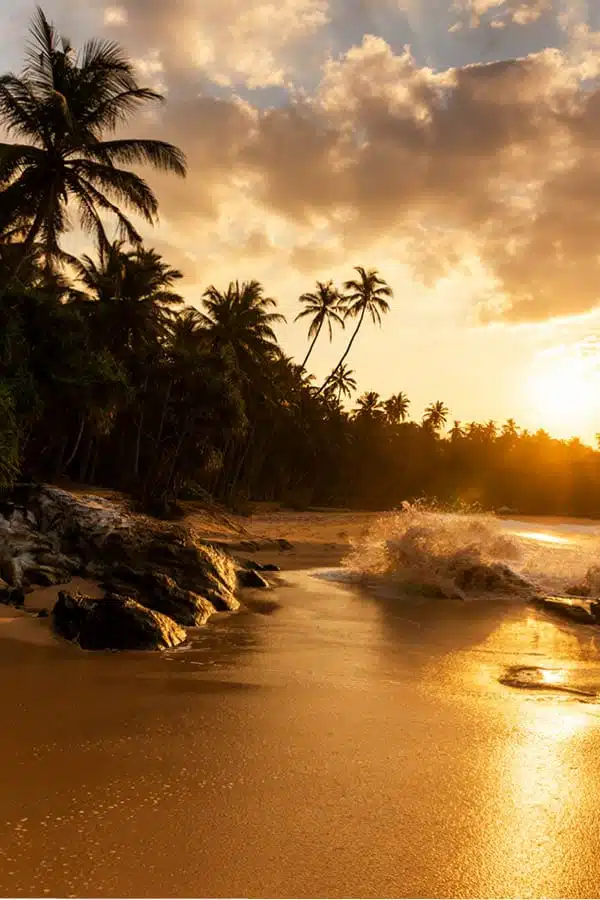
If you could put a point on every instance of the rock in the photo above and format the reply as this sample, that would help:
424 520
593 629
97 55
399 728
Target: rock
578 590
471 576
47 534
42 613
284 545
45 576
269 567
113 623
163 594
251 564
566 608
120 588
248 578
11 596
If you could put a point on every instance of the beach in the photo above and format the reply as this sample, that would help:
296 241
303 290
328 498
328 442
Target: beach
331 744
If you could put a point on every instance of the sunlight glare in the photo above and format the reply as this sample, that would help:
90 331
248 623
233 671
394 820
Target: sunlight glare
563 391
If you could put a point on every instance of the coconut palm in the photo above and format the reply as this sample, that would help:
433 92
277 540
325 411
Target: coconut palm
130 292
369 406
457 431
342 383
396 408
324 306
510 429
240 322
436 415
365 294
60 110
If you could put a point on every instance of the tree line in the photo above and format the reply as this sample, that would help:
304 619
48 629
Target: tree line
107 377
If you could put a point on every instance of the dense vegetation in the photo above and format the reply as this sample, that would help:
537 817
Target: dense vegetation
107 377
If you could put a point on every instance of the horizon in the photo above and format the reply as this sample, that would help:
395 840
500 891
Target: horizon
462 169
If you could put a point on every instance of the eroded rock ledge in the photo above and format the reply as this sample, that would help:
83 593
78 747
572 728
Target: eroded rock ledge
158 578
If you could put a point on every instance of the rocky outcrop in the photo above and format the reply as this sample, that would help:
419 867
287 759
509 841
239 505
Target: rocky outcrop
568 608
47 535
114 623
249 578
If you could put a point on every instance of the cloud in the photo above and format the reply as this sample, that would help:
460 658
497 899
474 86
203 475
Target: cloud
241 42
498 13
495 162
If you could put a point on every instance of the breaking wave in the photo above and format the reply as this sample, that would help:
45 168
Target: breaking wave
423 549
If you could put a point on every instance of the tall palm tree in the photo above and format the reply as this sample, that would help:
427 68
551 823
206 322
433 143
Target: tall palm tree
239 321
324 306
60 109
365 294
396 408
436 415
343 382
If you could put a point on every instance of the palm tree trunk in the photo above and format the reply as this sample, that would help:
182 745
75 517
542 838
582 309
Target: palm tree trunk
346 352
77 443
314 341
138 439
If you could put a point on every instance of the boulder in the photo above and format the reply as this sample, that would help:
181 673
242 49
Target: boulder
269 567
48 534
578 590
11 596
248 578
566 609
113 623
45 576
163 594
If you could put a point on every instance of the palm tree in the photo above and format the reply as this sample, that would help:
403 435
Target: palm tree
240 322
60 109
342 381
457 431
366 294
510 429
324 305
369 406
187 331
396 408
130 292
490 430
436 415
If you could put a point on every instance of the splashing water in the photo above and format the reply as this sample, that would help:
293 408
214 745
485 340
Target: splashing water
425 550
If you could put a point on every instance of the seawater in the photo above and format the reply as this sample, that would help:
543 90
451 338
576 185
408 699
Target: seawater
424 549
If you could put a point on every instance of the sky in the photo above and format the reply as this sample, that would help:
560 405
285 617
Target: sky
453 146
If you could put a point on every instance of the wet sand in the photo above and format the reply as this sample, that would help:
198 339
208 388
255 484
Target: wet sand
341 746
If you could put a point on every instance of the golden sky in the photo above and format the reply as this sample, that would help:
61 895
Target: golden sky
452 145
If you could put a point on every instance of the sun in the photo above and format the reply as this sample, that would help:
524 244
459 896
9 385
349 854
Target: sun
564 395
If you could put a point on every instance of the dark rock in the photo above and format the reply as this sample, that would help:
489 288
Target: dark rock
284 545
113 623
46 576
251 564
163 594
11 596
248 578
269 567
42 613
566 608
578 590
495 577
120 588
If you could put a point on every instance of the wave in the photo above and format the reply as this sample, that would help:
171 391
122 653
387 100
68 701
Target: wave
424 549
